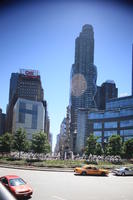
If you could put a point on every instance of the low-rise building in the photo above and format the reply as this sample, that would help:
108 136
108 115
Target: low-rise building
117 118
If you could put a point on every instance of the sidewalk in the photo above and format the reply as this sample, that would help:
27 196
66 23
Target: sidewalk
50 169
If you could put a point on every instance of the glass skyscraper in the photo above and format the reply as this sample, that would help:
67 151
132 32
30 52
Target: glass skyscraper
83 78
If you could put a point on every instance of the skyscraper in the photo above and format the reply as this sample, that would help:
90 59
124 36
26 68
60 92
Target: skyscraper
132 70
83 77
107 91
25 85
2 122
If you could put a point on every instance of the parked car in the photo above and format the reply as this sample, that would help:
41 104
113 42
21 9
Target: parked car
90 170
17 186
123 171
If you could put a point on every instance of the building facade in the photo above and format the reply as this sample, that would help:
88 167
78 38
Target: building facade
82 129
83 78
57 148
28 115
132 71
26 85
107 91
2 122
116 119
63 144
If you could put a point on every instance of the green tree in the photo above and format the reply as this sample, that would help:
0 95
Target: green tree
6 143
91 145
98 149
128 148
114 146
40 143
28 146
20 140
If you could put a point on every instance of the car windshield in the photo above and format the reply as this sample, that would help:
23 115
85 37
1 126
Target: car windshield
122 168
16 182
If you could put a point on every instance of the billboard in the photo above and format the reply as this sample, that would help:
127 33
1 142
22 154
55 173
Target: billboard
30 73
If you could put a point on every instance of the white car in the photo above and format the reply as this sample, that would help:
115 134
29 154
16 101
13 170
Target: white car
123 171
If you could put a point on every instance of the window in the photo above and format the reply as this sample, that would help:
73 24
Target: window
34 117
97 125
126 123
110 125
4 180
22 107
109 133
126 132
16 182
94 168
99 140
97 133
128 138
88 167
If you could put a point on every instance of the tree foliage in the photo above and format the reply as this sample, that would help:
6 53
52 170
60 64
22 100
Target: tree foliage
114 146
92 146
20 141
40 143
6 142
98 149
128 148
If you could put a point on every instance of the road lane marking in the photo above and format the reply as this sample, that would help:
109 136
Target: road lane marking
59 198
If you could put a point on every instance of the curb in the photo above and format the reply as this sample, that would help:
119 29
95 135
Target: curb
38 169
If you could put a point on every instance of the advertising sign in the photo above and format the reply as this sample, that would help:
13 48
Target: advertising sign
29 73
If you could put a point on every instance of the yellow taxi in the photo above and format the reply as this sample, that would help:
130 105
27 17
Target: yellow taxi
90 170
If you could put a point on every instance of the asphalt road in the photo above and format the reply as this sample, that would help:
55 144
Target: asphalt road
67 186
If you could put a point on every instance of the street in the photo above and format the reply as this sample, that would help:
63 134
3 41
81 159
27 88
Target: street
67 186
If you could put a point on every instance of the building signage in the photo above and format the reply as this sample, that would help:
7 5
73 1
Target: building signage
29 72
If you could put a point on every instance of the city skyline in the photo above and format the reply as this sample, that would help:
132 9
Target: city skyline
26 42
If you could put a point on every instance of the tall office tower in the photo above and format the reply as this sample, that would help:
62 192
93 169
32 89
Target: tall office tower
2 122
132 70
83 77
107 91
26 85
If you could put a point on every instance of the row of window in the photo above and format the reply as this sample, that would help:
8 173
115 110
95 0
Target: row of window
125 139
23 111
124 123
114 132
120 103
126 132
111 114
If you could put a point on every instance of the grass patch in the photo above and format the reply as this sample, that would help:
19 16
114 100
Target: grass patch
60 163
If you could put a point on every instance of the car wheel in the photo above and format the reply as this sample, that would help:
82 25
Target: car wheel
83 173
103 174
123 174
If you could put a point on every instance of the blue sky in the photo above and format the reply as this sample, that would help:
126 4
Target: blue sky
42 36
